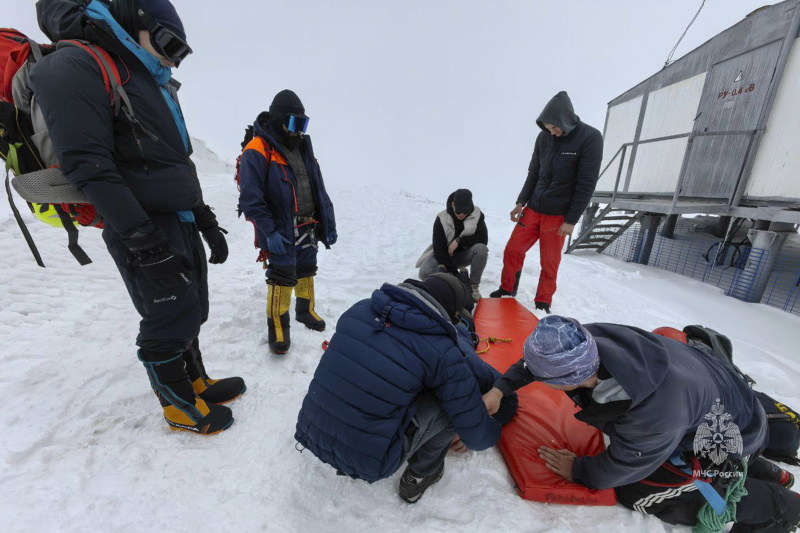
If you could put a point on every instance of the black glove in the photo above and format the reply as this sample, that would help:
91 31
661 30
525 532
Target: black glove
207 224
163 266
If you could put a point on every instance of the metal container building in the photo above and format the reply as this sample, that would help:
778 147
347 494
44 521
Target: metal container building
716 132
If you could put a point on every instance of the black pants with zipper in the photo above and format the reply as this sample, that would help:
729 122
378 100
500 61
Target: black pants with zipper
171 318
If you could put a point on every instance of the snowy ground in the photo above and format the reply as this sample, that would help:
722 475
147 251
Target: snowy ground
84 447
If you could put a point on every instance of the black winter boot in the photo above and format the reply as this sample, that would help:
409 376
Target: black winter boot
211 390
279 299
183 409
499 293
304 305
543 306
413 486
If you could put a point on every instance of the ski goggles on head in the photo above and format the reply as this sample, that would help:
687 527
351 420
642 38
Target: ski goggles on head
296 123
166 42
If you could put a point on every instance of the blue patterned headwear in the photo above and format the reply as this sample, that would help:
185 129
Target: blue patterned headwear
560 351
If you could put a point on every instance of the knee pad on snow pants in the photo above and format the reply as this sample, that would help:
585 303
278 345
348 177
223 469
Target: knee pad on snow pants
183 409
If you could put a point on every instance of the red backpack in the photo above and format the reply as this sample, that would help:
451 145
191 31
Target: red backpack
37 179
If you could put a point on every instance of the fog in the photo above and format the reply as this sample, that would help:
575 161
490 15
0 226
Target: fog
422 96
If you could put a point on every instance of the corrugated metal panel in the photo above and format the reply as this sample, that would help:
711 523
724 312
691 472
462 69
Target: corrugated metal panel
670 111
620 129
776 172
733 99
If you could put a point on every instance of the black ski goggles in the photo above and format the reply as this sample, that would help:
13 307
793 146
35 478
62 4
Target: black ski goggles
166 42
296 123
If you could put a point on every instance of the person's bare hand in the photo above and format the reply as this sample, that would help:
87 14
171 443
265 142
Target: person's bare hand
458 445
559 461
516 213
492 400
566 229
452 248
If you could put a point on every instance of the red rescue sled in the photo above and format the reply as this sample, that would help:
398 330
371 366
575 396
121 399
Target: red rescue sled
545 416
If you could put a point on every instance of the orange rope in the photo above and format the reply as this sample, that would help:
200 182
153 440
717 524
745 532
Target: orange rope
491 340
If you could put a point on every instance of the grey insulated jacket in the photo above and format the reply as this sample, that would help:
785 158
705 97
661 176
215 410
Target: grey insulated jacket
563 171
668 388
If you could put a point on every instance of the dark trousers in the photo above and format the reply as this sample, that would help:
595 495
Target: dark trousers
428 438
171 318
300 261
767 508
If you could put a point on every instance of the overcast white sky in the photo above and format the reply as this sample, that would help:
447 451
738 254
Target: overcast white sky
425 95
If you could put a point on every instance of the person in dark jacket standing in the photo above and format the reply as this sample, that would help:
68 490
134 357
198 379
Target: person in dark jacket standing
401 382
561 179
460 239
139 176
282 193
655 398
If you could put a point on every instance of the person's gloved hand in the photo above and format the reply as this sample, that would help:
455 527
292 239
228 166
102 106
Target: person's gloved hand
206 222
163 266
277 243
217 244
332 238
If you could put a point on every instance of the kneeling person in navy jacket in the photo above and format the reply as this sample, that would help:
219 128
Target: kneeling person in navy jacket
401 382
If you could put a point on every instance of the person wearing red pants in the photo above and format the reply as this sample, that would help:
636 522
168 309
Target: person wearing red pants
561 180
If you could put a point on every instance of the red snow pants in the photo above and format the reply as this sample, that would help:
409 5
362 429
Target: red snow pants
534 227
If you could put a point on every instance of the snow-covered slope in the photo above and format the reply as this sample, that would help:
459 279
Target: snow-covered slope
83 446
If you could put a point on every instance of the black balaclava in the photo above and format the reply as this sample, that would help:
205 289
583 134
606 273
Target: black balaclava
448 291
284 103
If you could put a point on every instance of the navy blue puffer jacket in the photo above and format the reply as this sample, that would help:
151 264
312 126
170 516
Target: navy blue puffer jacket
386 352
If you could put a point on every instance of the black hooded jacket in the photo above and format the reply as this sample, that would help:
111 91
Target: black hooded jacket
563 171
122 170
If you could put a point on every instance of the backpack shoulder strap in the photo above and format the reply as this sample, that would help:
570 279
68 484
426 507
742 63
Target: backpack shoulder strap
111 77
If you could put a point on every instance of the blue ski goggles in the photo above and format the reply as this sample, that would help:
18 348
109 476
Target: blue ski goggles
296 123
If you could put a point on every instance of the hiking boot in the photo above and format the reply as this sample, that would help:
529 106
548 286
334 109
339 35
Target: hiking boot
211 390
499 293
476 293
543 306
304 305
279 298
413 486
183 409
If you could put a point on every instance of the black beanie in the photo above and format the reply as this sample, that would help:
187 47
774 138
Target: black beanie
126 12
448 291
286 102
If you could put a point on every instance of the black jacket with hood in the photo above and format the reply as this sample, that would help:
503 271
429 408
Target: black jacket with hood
98 153
563 171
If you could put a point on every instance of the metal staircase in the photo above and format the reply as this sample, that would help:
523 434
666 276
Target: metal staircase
605 228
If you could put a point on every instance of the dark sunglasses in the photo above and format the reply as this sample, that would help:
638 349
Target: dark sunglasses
296 123
166 42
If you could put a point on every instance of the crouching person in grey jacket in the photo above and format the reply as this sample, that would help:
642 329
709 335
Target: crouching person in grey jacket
684 429
460 240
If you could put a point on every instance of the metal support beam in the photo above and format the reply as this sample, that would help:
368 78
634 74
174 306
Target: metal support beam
668 230
650 223
722 226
